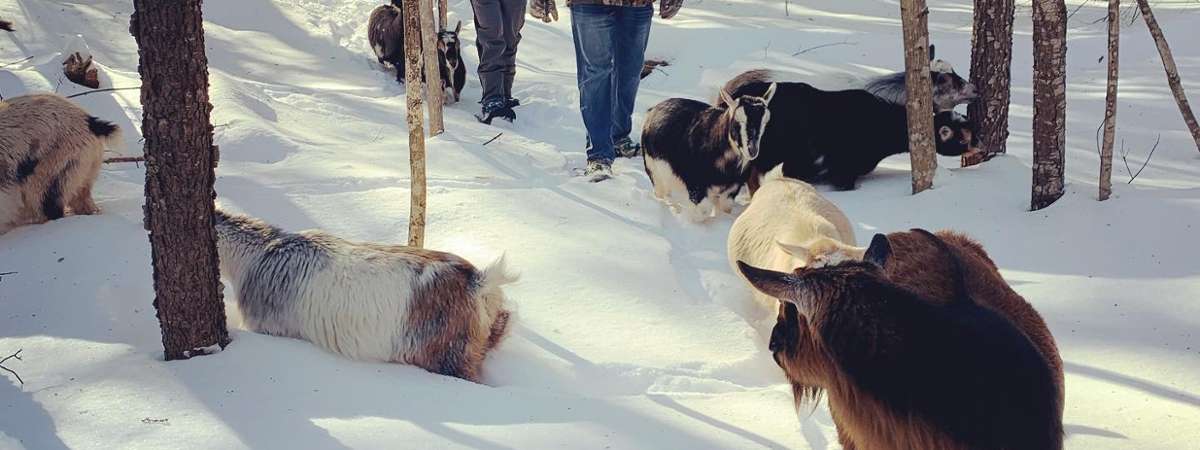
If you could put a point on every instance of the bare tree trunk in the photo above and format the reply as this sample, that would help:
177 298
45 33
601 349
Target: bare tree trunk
180 160
416 127
443 10
920 93
991 73
1110 99
1172 72
435 93
1049 101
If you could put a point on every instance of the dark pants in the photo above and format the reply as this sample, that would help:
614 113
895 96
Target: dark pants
610 47
498 31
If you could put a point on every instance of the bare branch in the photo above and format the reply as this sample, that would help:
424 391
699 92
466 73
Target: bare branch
93 91
16 356
125 159
801 52
489 141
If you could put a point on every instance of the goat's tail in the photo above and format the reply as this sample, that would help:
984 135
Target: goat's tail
108 132
494 316
736 84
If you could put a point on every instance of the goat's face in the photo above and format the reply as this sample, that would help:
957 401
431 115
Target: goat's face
450 48
949 89
955 133
747 117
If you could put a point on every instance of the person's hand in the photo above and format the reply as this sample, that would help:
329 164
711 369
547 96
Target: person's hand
545 10
668 8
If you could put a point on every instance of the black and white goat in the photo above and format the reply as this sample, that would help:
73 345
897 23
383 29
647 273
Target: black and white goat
367 301
385 33
949 89
702 152
835 137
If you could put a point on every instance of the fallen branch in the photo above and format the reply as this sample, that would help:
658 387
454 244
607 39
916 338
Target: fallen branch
93 91
16 356
125 159
16 62
1125 153
489 141
801 52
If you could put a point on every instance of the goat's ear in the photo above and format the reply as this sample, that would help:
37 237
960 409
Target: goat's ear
728 99
770 93
775 284
458 27
879 251
931 52
798 251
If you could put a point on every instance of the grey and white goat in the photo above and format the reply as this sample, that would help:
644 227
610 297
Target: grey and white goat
366 301
949 89
703 152
50 155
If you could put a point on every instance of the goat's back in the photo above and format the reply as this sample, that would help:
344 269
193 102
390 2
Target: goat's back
385 33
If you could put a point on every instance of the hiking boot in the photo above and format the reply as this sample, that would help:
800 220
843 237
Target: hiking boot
496 107
626 148
598 170
512 102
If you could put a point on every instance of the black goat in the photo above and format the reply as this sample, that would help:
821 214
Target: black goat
703 151
385 33
836 137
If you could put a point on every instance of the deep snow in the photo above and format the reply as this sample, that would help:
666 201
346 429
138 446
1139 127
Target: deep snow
630 329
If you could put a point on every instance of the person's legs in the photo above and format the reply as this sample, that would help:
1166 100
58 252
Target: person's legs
514 15
490 30
592 27
631 36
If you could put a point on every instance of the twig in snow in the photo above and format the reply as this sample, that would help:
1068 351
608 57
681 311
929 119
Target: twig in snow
16 356
1125 153
2 274
489 141
125 159
16 62
801 52
93 91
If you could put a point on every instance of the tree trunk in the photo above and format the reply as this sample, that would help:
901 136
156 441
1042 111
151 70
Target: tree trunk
416 130
991 73
435 93
920 93
1172 72
443 10
180 160
1110 99
1049 101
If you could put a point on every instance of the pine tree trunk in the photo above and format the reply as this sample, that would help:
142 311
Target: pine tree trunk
1049 101
1164 51
434 91
1110 99
920 93
180 160
416 128
991 73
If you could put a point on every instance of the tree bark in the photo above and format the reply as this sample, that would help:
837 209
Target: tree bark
443 11
991 73
920 93
1164 51
435 93
180 160
1110 99
416 129
1049 101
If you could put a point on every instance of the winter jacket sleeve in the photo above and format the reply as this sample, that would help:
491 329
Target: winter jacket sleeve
544 10
668 8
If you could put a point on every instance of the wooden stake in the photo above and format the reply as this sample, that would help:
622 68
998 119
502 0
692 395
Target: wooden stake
443 10
1110 99
416 126
914 15
435 94
1164 51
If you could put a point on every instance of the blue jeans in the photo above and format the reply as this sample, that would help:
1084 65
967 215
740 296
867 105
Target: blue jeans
610 48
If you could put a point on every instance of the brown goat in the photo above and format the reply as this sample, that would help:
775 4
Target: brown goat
50 155
907 372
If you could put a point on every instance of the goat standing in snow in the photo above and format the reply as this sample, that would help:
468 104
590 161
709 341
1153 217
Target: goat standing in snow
836 137
369 302
50 155
385 33
702 152
904 372
949 89
785 219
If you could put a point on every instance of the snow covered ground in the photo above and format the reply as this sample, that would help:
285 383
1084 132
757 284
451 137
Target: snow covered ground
631 329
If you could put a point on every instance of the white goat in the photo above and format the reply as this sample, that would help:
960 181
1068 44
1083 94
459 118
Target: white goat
50 155
786 222
367 301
